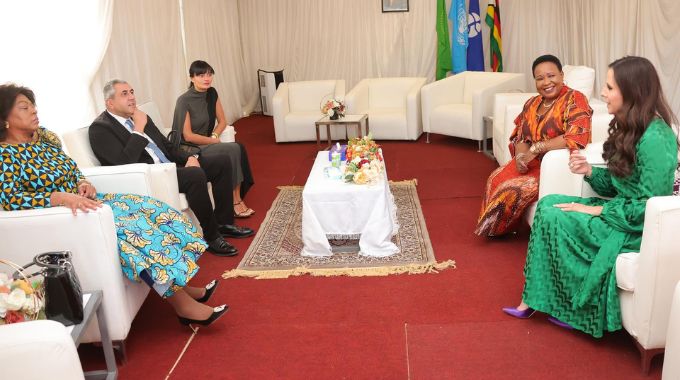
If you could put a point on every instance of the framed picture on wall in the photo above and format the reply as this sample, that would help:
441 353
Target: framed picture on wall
394 5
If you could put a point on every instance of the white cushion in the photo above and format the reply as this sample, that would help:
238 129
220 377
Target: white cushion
388 124
446 118
307 96
580 78
389 94
626 268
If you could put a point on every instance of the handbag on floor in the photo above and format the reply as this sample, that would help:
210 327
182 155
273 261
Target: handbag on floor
63 294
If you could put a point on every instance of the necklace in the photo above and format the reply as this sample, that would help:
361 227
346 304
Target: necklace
546 105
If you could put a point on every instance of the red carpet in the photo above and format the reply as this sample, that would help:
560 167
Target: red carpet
442 326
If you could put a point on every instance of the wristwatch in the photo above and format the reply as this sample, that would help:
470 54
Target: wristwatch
196 156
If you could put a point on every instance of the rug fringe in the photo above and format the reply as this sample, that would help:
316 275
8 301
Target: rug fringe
351 272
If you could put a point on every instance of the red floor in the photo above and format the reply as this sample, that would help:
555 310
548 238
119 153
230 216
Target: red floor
437 326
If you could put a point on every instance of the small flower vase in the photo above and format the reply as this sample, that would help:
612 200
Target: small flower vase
334 116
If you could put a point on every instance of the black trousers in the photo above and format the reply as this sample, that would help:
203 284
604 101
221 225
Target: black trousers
193 182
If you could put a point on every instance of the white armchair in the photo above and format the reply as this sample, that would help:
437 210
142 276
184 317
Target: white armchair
91 237
508 105
455 106
671 360
24 344
645 279
392 106
297 106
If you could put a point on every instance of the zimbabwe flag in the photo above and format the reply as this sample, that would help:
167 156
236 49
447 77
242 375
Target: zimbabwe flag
493 19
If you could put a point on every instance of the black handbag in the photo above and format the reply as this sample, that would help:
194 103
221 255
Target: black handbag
63 294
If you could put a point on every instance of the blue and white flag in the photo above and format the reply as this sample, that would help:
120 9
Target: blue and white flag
475 51
459 43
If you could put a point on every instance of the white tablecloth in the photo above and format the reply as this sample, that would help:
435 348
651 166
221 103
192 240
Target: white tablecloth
333 209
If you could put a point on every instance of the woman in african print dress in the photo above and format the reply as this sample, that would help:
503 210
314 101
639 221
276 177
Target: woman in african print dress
558 117
157 244
569 272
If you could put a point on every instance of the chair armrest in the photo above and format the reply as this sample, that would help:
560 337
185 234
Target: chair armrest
48 341
556 178
413 120
132 178
228 135
506 108
91 237
280 108
357 99
658 265
671 362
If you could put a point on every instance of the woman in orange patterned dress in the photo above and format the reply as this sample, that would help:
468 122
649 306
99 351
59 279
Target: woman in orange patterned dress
558 117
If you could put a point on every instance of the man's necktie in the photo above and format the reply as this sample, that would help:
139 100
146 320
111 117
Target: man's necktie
156 150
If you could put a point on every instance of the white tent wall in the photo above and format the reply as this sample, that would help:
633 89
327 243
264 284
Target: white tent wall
145 50
317 39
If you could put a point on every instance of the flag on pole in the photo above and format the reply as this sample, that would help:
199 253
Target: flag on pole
443 42
475 51
493 19
458 16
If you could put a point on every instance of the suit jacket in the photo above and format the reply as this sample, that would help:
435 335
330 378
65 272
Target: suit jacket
112 144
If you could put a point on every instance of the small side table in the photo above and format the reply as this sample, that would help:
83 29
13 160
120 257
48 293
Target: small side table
92 302
346 121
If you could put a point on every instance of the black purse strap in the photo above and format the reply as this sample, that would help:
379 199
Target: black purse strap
49 260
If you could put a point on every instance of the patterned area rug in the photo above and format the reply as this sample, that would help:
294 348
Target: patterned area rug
275 251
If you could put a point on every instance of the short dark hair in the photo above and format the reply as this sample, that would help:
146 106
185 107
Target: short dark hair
8 96
546 58
200 67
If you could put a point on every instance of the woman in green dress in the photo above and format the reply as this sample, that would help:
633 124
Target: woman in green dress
569 271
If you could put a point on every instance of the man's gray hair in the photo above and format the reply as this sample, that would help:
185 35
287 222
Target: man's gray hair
109 91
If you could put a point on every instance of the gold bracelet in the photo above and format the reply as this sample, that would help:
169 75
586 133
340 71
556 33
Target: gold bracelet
214 135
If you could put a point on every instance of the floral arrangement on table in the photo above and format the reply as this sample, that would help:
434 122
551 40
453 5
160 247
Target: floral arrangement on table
364 161
20 300
334 108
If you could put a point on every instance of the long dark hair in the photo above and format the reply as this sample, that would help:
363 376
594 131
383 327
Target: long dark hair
198 68
8 96
643 101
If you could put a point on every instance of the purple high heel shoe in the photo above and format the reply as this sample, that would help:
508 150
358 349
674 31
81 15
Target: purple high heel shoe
521 314
557 322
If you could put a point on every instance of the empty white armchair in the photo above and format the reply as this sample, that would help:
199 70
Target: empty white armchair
508 106
38 350
455 106
297 106
392 106
645 279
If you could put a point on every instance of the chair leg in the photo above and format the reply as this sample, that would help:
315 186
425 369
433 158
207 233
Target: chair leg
120 348
427 137
646 356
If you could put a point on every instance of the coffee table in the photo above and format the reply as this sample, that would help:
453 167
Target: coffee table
333 209
348 120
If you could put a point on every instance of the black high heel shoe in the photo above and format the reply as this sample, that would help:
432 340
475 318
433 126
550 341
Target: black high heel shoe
209 290
217 313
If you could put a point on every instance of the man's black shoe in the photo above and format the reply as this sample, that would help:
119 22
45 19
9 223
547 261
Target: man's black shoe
219 247
232 230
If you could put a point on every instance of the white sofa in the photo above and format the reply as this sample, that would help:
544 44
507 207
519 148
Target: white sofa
455 106
151 109
645 279
508 105
38 350
91 237
297 106
392 106
671 360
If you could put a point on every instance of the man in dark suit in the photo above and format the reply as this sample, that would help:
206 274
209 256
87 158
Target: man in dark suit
124 135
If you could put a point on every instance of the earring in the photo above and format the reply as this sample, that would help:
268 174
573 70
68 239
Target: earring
7 125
